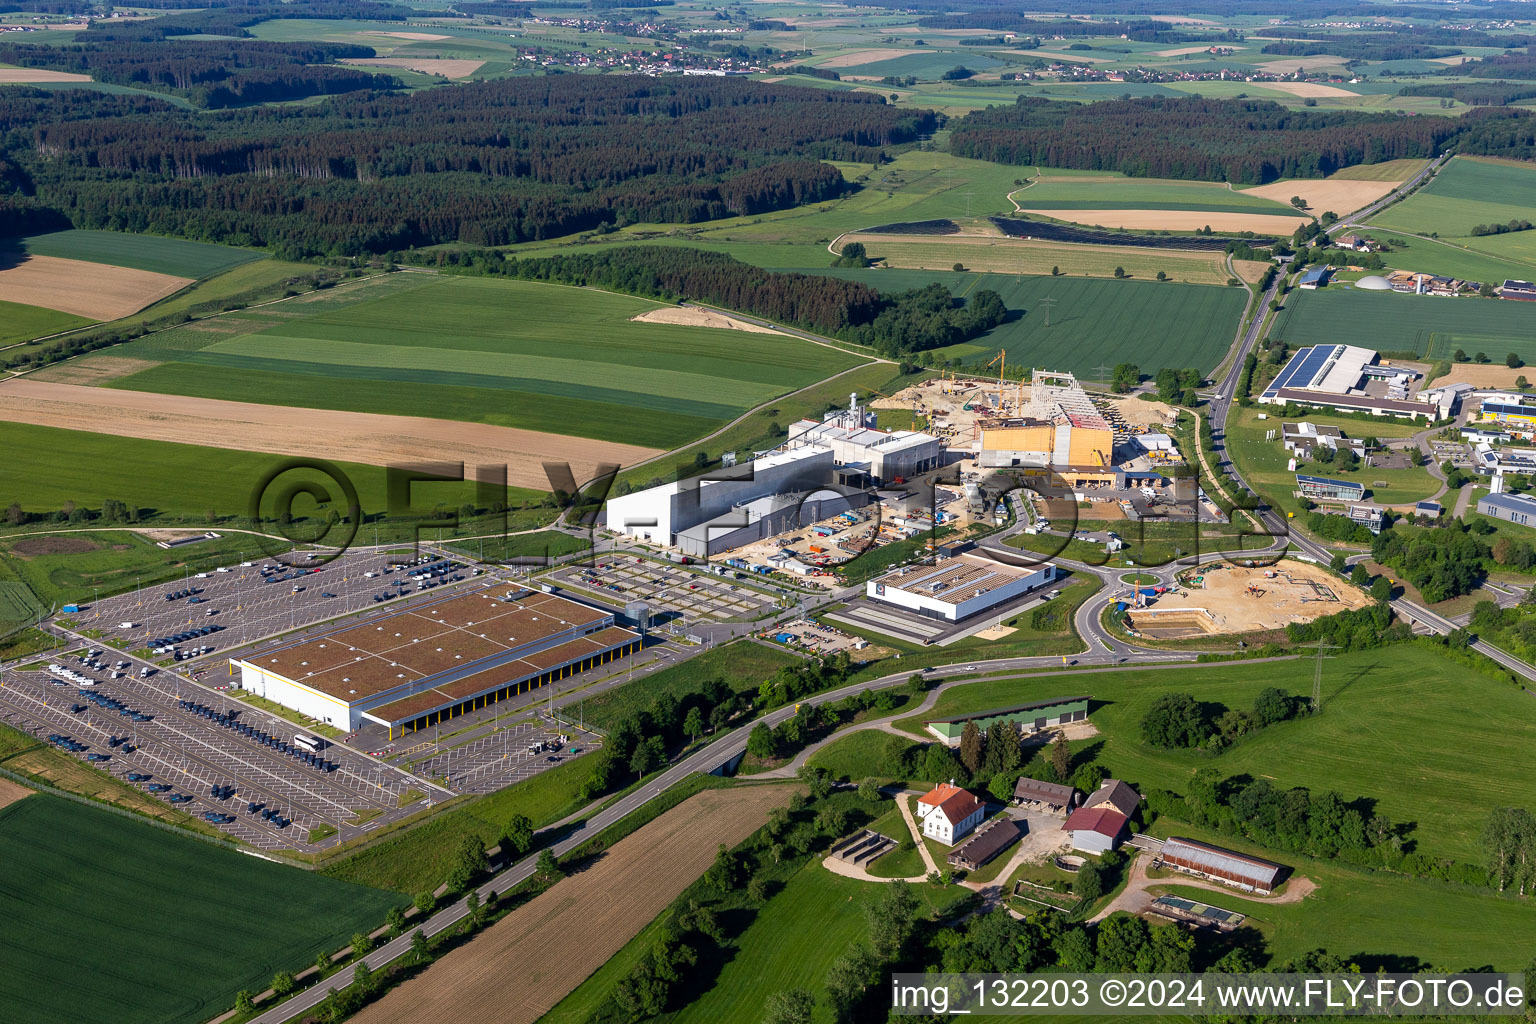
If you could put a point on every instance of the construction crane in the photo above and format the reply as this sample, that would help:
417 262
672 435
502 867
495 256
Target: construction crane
1001 362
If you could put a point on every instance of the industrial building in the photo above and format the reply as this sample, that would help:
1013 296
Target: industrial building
1521 291
1314 279
1510 411
1302 437
881 456
953 589
1238 870
1326 489
660 513
1512 508
414 668
1345 377
1060 428
761 518
1028 717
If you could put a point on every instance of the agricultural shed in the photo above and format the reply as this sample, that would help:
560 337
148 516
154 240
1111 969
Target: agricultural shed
1235 869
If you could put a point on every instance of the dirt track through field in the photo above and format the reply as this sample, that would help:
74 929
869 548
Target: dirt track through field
10 792
14 76
94 290
373 439
1175 220
694 316
532 958
444 66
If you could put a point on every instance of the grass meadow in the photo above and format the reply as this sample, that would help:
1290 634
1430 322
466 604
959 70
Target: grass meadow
110 919
509 353
173 256
743 665
23 323
1433 327
1394 729
1467 191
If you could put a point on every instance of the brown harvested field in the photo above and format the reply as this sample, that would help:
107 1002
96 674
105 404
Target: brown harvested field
373 439
10 792
1479 375
446 67
1182 50
53 545
693 316
98 369
531 959
16 76
1306 89
1286 65
1222 603
94 290
1341 195
1175 220
848 60
1000 254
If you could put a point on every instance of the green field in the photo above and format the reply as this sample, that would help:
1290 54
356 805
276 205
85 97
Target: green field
1433 327
49 466
109 919
158 255
1393 729
924 63
1465 192
75 567
536 356
18 606
23 323
1117 192
1093 322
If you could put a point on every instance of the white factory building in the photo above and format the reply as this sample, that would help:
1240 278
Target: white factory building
1351 378
659 514
954 589
883 456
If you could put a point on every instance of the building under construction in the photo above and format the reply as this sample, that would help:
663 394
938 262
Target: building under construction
1058 428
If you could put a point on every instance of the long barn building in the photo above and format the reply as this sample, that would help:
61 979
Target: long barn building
1238 870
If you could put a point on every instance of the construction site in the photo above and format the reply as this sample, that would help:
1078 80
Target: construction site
1219 598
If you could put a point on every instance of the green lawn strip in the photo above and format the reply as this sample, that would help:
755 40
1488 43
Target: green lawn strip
23 323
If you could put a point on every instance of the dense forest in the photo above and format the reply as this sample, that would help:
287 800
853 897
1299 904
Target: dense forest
894 324
1296 10
488 163
215 73
1518 66
1389 42
1242 141
1014 21
1474 94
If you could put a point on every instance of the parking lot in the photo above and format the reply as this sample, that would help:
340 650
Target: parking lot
245 602
817 638
1457 454
487 759
670 590
140 726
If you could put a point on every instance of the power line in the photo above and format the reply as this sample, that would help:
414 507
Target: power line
1047 304
1317 672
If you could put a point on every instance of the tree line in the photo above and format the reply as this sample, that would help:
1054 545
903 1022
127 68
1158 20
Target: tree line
487 163
894 324
1241 141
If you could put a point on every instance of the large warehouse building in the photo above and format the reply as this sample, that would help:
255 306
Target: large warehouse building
1238 870
954 589
660 513
1345 377
417 667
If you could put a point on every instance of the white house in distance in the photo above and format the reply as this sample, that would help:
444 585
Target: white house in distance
949 812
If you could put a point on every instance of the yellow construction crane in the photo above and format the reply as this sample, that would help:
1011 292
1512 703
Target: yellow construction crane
1001 362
